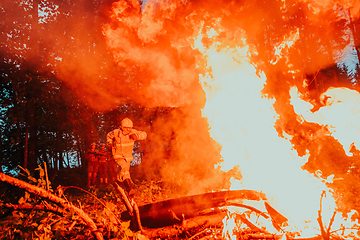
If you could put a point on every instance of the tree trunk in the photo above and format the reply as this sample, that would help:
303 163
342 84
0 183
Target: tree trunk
56 157
81 154
59 137
19 141
58 151
26 146
32 144
173 211
32 85
1 155
78 155
199 222
53 198
67 158
333 70
90 133
355 29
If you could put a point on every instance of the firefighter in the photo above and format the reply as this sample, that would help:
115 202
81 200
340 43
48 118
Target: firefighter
113 168
91 157
121 141
103 156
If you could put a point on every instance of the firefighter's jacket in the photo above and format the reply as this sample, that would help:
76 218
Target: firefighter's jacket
103 155
91 156
122 145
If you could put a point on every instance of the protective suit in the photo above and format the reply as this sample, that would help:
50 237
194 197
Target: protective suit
122 144
93 164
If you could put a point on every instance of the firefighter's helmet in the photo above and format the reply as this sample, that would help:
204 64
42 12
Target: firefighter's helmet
93 144
126 122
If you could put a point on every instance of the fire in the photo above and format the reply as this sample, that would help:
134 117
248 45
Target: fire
242 120
280 50
339 115
248 97
229 226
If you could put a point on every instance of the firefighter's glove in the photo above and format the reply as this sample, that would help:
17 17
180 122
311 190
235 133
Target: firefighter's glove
133 137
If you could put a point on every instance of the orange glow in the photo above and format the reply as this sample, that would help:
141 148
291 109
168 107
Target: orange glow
232 72
242 119
237 65
280 50
249 140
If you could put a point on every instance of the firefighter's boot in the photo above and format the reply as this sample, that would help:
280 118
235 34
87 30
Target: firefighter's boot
129 187
120 184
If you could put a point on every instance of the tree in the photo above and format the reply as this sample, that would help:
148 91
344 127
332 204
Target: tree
355 29
34 48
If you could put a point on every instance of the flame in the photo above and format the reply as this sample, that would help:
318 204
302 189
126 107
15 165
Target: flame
281 49
242 120
229 226
177 53
340 114
243 105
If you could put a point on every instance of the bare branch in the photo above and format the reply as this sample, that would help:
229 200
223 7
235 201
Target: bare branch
331 222
324 234
101 202
46 177
45 194
56 210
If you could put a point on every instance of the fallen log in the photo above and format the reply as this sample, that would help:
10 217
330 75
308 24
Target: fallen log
263 236
175 211
196 223
53 198
265 215
131 207
310 238
250 224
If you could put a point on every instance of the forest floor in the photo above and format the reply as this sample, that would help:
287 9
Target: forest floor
27 216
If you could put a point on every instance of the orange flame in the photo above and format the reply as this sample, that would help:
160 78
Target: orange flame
281 49
340 114
249 140
241 113
229 226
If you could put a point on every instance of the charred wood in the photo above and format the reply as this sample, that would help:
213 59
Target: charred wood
196 224
173 211
265 215
249 224
275 236
263 236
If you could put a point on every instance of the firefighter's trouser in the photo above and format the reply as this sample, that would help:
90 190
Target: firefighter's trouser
124 169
